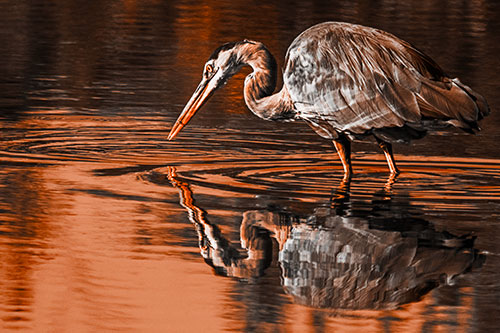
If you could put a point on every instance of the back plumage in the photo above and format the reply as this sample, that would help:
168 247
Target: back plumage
355 80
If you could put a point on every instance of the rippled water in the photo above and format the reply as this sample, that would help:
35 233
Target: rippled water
239 224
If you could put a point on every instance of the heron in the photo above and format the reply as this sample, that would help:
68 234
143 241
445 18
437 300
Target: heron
348 82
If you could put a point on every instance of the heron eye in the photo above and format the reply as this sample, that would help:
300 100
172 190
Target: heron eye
209 69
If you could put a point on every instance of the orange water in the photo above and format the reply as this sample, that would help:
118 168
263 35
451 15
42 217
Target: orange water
101 218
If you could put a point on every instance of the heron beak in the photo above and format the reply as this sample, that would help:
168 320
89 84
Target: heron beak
200 96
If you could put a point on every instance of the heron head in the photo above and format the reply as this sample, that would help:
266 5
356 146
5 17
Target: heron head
222 64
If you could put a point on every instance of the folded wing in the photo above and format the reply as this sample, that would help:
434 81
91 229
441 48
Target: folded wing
357 80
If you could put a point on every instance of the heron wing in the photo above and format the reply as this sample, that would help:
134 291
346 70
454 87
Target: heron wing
354 79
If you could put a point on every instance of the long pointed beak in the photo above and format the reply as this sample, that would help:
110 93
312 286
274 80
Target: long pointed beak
200 96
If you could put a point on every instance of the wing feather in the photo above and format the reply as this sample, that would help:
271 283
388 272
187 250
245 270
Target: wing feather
354 79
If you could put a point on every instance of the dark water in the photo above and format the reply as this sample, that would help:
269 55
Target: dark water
105 225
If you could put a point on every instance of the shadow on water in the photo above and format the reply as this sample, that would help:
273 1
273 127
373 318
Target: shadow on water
345 255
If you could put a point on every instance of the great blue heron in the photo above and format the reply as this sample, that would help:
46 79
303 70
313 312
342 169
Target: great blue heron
347 82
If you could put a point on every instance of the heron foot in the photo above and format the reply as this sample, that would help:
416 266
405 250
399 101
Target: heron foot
390 181
346 179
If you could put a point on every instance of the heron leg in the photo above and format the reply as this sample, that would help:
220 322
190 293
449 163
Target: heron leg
343 146
387 148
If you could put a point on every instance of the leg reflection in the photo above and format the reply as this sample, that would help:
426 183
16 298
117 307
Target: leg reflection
340 198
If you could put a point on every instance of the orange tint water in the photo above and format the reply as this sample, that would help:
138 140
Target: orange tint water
106 226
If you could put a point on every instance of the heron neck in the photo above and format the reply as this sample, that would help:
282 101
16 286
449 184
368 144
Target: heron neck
260 85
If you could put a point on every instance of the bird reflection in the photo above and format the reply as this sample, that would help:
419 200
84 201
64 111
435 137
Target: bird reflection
344 255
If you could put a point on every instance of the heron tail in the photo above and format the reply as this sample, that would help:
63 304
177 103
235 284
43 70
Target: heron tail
480 101
452 102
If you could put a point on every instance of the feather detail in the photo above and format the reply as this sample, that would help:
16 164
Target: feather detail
260 84
346 78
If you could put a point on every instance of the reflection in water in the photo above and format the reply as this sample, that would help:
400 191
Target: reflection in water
24 231
88 93
376 256
216 250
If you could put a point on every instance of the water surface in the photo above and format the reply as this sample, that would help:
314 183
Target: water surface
239 224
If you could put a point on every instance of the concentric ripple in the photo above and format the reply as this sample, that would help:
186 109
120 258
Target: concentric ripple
237 162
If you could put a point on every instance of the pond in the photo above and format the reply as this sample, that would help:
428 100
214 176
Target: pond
239 224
